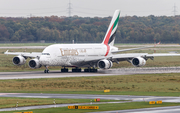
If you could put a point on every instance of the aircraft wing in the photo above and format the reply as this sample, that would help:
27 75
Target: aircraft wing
162 54
25 54
129 56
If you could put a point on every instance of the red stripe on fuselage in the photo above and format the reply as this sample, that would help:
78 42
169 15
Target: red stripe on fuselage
108 48
107 40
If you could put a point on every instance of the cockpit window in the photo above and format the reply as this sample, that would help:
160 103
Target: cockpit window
45 54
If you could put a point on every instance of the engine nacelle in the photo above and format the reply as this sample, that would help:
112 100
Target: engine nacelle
19 60
105 64
34 63
138 61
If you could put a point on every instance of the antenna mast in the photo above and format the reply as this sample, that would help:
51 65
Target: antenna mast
174 9
69 8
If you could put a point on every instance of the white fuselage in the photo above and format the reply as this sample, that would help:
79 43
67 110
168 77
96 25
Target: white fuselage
74 55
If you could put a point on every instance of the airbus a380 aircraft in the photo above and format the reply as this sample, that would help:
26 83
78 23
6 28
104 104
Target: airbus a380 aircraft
85 55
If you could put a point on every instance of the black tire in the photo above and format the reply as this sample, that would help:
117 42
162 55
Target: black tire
79 70
44 71
91 70
85 70
65 70
73 70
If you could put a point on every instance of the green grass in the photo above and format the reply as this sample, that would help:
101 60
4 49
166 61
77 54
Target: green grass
145 84
102 107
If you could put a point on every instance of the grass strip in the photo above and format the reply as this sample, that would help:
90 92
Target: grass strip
146 84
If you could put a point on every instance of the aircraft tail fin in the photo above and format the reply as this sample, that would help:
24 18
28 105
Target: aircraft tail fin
111 32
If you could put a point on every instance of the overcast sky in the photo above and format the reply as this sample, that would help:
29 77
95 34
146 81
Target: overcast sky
88 8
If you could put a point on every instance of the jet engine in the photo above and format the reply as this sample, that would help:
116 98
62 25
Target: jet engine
138 61
34 63
19 60
105 64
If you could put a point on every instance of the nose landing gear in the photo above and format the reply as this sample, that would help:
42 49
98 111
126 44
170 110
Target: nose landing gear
46 70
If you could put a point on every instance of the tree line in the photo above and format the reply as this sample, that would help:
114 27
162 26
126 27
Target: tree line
131 29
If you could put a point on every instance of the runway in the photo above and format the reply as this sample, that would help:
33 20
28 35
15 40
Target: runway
109 72
86 96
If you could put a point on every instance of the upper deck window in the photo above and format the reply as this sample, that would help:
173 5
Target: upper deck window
45 54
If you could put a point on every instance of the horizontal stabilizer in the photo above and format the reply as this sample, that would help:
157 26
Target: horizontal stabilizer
123 50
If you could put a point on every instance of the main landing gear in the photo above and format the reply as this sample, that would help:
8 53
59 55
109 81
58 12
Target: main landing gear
64 70
46 70
73 70
90 70
79 70
76 70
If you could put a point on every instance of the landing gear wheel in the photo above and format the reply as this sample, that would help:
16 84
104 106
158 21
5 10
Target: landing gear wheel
76 70
90 70
86 70
64 70
46 71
